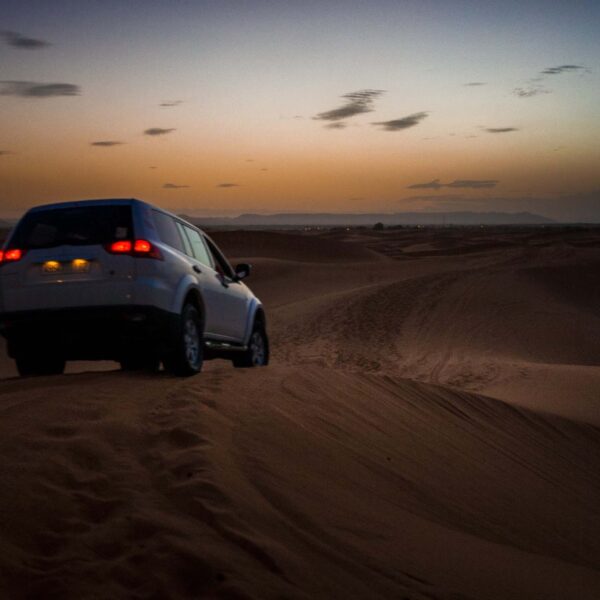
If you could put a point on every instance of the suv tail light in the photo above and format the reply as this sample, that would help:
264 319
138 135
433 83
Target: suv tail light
121 247
142 246
11 255
139 248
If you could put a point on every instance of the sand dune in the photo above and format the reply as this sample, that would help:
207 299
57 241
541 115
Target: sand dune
368 461
292 246
309 483
499 318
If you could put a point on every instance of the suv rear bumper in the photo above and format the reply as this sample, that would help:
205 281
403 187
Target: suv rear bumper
104 332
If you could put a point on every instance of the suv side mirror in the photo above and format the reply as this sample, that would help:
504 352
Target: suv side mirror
242 270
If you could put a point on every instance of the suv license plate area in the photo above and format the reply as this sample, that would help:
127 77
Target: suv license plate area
77 265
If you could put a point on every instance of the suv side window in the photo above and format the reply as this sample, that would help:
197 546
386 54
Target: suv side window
200 252
167 231
187 247
222 265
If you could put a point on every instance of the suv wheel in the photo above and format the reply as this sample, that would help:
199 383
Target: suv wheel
257 353
29 365
186 358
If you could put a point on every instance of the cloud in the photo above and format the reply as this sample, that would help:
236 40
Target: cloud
228 185
474 83
264 169
336 125
174 186
158 131
430 185
358 103
403 123
500 129
18 40
31 89
171 103
529 92
473 183
457 183
5 152
106 143
561 69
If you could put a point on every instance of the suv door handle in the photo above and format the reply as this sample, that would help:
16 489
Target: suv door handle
197 269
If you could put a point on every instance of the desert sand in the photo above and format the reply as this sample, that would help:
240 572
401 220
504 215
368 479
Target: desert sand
429 428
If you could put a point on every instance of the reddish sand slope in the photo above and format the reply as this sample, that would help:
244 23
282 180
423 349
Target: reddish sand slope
306 483
368 461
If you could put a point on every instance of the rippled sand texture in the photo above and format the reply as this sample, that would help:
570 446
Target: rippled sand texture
428 429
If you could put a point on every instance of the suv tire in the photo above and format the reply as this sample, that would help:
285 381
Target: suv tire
186 358
257 353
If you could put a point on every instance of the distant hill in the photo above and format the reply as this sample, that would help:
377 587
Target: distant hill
403 218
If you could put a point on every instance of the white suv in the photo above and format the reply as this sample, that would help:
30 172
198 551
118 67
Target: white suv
123 280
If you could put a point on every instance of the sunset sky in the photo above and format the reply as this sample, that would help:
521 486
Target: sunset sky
223 107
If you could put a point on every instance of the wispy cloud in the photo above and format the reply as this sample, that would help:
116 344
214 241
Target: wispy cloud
228 185
5 152
106 143
529 92
174 186
32 89
473 183
171 103
429 185
561 69
435 184
403 123
357 103
500 129
158 131
336 125
17 40
474 83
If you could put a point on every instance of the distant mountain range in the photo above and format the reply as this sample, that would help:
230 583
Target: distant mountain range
347 219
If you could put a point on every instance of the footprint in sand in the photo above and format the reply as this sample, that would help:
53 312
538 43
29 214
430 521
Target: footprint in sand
184 438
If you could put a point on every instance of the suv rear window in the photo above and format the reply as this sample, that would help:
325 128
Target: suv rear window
77 226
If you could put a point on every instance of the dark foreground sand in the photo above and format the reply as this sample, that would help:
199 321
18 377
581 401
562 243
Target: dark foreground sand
429 428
